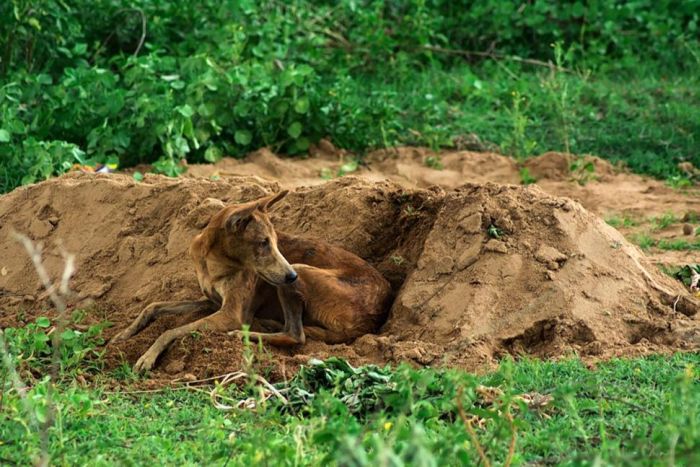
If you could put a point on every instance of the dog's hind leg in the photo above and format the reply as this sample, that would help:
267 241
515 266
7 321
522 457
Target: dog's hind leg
219 321
157 309
292 303
325 335
269 325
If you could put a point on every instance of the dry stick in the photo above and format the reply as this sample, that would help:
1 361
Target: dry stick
496 55
60 304
111 34
513 439
468 425
675 303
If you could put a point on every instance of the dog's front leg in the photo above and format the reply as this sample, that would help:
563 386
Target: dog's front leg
292 302
157 309
219 321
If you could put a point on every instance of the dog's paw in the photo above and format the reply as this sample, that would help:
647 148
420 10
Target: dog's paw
145 363
237 333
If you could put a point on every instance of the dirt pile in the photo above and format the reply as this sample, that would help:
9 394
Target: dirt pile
604 189
478 272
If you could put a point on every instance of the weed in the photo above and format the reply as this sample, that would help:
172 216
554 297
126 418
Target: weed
32 349
494 232
666 220
582 170
625 222
434 162
525 177
645 241
397 260
518 145
678 182
678 245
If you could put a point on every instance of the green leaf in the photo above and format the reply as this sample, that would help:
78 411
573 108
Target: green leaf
305 70
80 49
41 413
243 137
347 168
33 22
302 105
4 136
177 85
294 130
44 79
68 335
185 110
138 176
213 154
43 322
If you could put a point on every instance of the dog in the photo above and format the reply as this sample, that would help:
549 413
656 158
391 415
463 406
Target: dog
244 271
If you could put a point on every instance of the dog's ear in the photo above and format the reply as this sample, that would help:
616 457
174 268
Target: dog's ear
269 201
238 221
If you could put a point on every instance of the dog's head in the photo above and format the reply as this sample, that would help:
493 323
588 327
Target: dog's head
250 239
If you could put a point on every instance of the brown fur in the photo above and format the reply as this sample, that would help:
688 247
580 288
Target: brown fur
243 267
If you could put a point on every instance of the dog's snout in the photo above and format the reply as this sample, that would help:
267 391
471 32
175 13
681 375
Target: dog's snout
290 277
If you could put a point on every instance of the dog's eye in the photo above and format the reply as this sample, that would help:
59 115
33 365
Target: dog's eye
265 242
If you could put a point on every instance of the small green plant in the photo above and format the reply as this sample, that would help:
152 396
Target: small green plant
31 348
494 232
678 245
348 167
434 162
582 170
525 177
518 144
679 182
644 241
563 93
666 220
397 260
617 222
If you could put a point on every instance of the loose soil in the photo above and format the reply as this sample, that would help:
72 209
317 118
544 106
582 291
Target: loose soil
479 269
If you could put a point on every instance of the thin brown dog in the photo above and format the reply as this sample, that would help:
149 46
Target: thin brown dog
243 267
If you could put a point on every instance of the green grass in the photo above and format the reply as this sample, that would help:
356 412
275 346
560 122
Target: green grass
617 222
645 242
642 411
679 245
666 220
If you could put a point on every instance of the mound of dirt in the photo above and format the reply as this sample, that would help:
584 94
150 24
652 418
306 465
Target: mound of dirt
600 187
477 272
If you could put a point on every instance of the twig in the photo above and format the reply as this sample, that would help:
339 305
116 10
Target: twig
143 30
496 55
142 39
513 439
468 425
56 294
148 391
244 403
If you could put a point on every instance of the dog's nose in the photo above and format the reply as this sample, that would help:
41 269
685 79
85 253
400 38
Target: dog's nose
290 277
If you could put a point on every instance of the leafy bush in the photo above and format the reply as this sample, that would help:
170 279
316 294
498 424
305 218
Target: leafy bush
80 82
31 349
